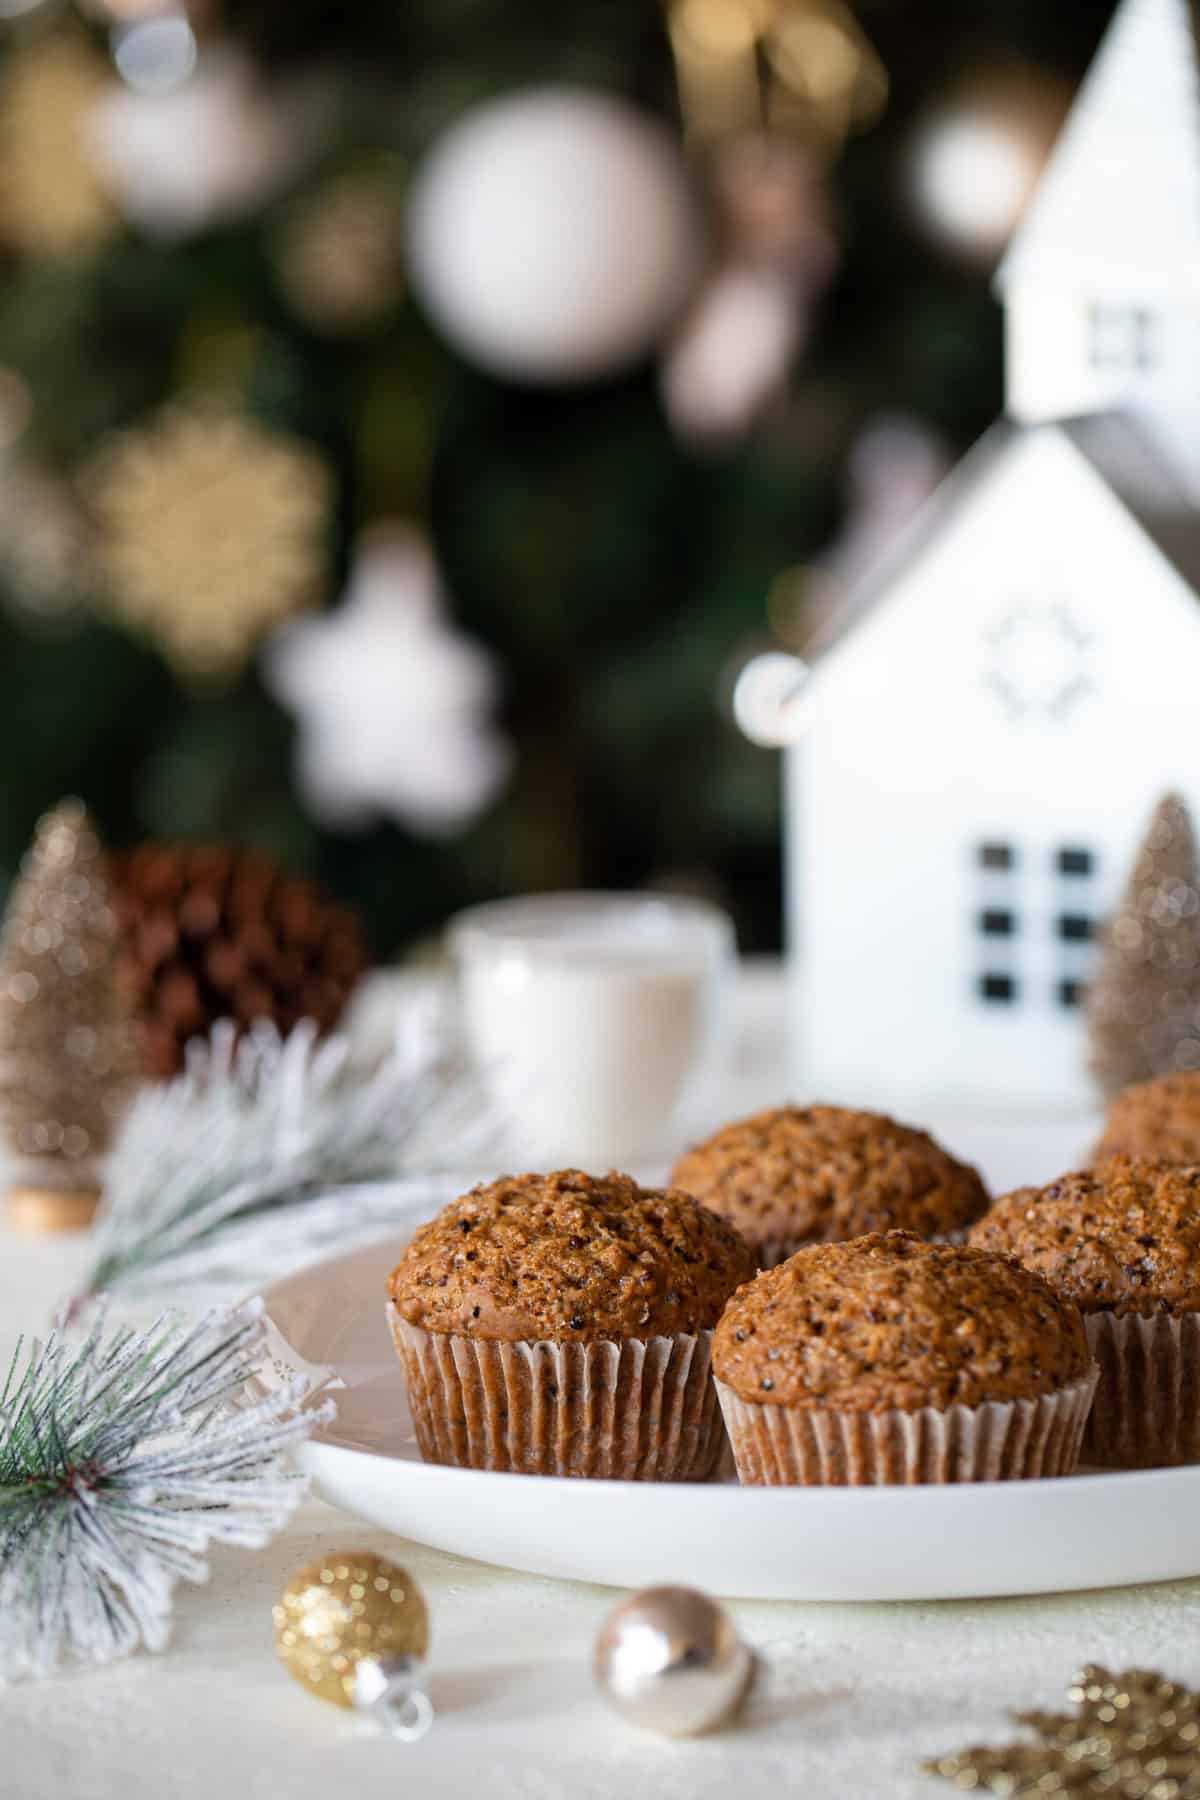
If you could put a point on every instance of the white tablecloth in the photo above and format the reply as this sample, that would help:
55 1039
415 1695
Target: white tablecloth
853 1698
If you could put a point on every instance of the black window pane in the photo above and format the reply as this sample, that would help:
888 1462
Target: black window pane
1072 861
997 921
996 856
998 990
1070 993
1074 928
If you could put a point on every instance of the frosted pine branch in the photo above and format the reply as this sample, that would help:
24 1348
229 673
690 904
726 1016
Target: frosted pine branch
268 1151
123 1456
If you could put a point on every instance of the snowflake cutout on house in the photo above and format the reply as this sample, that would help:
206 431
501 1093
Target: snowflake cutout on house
1037 662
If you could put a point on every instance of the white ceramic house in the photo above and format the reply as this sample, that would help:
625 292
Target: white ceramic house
1014 690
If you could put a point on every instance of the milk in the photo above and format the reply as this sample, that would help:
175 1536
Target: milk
597 1020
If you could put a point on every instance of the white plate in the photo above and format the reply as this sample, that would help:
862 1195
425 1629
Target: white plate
931 1543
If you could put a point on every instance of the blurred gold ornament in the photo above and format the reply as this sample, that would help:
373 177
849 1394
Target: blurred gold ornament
353 1629
774 206
801 66
1136 1736
53 201
210 530
340 254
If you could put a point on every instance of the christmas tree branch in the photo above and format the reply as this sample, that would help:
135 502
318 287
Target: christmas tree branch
122 1458
268 1151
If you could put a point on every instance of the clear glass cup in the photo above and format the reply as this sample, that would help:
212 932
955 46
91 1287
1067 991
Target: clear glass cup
598 1020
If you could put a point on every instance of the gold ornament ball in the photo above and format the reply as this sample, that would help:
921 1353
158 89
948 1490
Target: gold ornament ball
53 201
346 1606
340 258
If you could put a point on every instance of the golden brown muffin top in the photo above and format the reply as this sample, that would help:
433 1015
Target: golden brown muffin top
1123 1237
887 1320
570 1257
1159 1118
819 1174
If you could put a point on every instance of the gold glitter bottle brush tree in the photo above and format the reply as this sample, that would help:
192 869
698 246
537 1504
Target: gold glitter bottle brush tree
1143 1005
68 1050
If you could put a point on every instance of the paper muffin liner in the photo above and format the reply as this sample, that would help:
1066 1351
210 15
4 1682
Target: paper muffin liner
628 1411
1147 1410
780 1446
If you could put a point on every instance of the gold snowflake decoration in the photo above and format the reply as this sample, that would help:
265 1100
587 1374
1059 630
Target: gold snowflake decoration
53 201
1136 1736
210 530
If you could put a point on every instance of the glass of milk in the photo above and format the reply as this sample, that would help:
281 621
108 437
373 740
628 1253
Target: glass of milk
598 1020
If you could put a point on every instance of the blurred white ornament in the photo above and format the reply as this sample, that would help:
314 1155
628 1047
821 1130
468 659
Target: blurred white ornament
769 698
393 703
975 162
894 466
733 353
895 463
971 176
214 148
553 234
156 54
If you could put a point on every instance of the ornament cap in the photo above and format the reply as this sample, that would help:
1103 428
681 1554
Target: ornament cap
389 1690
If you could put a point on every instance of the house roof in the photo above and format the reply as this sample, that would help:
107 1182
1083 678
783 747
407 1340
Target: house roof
1117 446
1120 195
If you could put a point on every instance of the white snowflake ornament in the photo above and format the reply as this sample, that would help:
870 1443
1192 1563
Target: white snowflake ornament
217 147
394 704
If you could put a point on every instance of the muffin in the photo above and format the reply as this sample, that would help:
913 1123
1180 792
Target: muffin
1159 1118
889 1360
1123 1242
803 1175
562 1325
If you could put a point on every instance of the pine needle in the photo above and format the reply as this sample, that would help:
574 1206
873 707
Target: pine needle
123 1456
268 1152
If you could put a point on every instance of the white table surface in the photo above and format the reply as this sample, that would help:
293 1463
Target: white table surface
853 1697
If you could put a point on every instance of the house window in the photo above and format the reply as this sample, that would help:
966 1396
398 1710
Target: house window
997 989
997 921
1074 924
1034 921
1119 337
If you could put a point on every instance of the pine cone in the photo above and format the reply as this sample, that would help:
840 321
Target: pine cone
213 932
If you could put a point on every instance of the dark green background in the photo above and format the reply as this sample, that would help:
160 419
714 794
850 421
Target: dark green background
613 571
